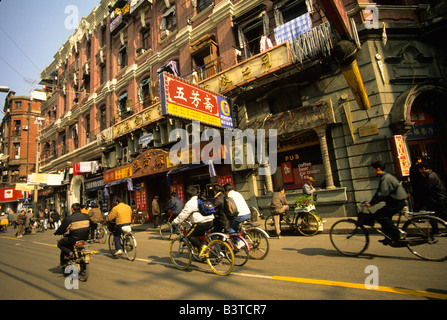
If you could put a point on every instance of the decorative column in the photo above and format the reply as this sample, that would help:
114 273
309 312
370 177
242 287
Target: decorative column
321 132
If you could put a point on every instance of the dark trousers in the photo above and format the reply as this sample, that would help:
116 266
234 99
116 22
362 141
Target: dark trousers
384 217
198 230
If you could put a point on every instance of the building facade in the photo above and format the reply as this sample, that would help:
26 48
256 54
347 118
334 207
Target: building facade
340 93
19 130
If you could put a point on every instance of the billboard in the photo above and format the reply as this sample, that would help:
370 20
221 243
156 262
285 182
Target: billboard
182 99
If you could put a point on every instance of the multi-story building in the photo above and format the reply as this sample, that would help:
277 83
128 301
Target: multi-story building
19 129
343 85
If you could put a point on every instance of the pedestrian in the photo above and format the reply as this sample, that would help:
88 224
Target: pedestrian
243 210
21 219
95 215
394 195
78 225
175 205
122 215
85 209
156 211
417 184
279 208
55 217
46 217
40 216
200 224
434 196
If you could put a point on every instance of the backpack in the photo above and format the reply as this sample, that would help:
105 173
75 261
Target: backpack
230 207
206 208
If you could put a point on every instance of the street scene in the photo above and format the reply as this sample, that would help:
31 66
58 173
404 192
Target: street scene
224 150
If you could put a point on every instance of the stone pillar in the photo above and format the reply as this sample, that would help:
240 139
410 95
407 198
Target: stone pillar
321 132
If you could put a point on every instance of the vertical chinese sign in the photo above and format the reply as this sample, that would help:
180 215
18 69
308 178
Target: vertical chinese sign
400 156
182 99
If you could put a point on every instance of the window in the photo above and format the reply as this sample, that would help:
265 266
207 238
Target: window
87 128
122 56
103 36
88 49
144 95
205 61
203 4
17 124
18 104
146 39
287 11
103 73
123 105
168 22
102 119
16 150
250 34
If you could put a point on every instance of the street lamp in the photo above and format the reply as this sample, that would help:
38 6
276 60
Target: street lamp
4 89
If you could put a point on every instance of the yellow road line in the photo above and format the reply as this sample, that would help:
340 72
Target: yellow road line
426 294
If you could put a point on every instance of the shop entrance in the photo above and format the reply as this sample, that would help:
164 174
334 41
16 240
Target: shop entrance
432 150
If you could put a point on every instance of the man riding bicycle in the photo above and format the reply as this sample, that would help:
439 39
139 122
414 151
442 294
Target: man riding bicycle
394 195
200 224
122 214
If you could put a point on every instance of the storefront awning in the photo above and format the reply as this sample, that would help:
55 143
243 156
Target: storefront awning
210 164
125 180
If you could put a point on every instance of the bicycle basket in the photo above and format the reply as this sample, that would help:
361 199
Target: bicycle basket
367 219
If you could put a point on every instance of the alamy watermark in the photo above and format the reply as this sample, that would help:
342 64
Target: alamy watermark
254 151
371 17
72 280
72 20
372 280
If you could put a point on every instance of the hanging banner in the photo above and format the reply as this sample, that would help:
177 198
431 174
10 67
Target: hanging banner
400 156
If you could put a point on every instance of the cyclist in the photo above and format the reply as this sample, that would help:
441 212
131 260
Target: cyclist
243 210
279 208
122 214
394 195
200 224
175 205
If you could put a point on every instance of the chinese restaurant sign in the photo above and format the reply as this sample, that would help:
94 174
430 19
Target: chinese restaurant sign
184 100
400 156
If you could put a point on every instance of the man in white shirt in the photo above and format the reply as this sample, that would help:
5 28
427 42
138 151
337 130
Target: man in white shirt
242 208
200 224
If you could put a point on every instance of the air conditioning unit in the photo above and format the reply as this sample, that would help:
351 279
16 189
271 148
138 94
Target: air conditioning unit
24 127
126 155
239 152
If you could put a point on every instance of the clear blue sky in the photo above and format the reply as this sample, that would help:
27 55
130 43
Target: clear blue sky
37 29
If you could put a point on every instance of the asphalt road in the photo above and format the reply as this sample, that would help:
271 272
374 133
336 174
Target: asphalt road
296 268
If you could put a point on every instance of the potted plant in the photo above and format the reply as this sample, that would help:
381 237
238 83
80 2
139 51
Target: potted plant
307 203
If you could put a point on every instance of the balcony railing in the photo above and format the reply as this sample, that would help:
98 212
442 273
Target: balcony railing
204 72
314 44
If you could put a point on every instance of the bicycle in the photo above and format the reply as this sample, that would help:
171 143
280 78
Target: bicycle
302 220
138 217
127 240
101 233
217 254
237 243
422 233
257 240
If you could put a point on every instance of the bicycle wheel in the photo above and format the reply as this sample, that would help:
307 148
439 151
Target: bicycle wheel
101 235
307 224
270 226
180 253
130 246
349 238
165 230
426 237
258 242
220 257
112 247
241 254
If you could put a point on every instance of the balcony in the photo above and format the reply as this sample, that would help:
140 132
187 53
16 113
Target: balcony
304 49
204 72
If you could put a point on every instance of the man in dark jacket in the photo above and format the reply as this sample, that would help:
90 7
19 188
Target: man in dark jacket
78 225
221 222
434 196
175 205
394 195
